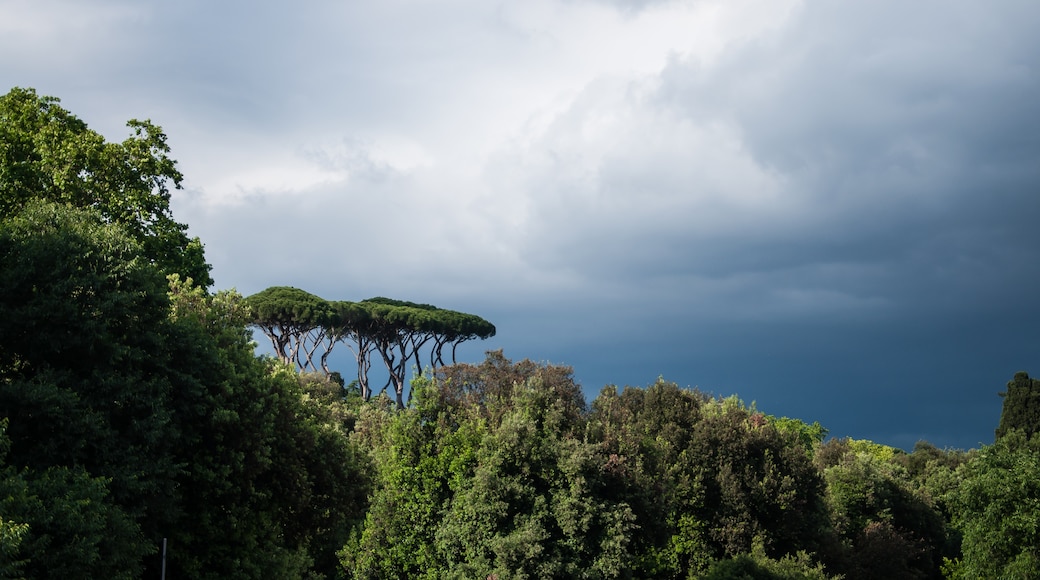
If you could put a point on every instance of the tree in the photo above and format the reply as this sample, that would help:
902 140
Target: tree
398 330
889 528
135 407
707 478
489 385
136 413
933 475
647 432
538 504
299 323
288 316
12 532
758 483
353 324
419 453
1021 406
71 528
997 508
83 387
500 485
758 566
46 153
271 486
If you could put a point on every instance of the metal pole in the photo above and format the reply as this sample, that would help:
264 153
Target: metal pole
163 559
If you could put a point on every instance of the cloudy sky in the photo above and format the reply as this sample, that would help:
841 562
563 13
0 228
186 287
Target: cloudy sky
828 208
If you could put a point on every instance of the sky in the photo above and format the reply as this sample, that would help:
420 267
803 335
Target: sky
829 209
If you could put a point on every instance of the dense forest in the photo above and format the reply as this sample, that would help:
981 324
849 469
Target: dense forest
141 435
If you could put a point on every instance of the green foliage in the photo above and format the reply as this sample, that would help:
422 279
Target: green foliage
300 324
71 528
647 432
536 506
61 523
490 386
83 365
11 536
998 510
933 475
272 485
46 153
705 477
882 453
482 478
758 482
759 566
810 436
285 307
137 411
889 530
71 286
12 532
422 453
1021 406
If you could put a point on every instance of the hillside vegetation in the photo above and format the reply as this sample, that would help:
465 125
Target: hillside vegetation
140 433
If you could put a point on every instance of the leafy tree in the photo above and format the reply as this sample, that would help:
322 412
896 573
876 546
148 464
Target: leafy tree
708 477
299 323
1021 406
71 528
489 385
889 529
353 324
759 566
288 316
83 369
646 433
421 454
933 475
810 436
135 407
537 505
483 477
997 508
758 482
46 153
397 330
272 485
12 532
132 419
11 536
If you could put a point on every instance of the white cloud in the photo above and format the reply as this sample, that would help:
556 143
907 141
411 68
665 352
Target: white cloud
487 174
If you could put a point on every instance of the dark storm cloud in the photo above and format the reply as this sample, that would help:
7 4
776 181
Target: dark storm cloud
861 184
912 136
907 149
